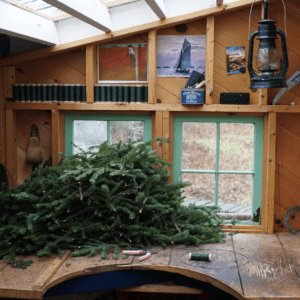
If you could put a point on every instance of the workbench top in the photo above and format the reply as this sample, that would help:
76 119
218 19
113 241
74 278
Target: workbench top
247 266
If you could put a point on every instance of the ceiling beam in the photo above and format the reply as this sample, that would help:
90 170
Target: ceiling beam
158 7
92 12
15 21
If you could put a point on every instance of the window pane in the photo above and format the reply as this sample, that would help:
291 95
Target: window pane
199 146
89 133
202 188
123 130
235 193
236 146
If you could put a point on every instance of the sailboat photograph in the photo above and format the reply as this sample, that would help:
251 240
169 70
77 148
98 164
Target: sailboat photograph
178 55
183 64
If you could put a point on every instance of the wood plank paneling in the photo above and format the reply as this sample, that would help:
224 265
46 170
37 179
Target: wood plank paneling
232 30
57 69
24 120
210 53
287 168
11 147
55 122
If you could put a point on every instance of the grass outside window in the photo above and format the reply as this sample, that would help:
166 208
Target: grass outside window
222 158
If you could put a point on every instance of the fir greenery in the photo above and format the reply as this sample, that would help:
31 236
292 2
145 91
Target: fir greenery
101 199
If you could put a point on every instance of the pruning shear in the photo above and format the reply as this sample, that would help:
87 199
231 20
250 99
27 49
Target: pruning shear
146 254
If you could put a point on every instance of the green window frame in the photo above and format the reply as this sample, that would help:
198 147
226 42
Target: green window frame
71 117
257 155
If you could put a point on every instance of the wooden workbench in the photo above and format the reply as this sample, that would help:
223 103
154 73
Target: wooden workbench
247 266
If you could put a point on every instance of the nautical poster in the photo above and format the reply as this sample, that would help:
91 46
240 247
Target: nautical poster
236 60
179 55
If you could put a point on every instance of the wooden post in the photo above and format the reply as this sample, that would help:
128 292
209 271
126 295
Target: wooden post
91 72
271 165
158 132
263 93
55 136
152 65
166 134
8 81
209 70
11 147
263 97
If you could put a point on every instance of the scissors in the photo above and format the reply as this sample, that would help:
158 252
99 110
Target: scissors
146 254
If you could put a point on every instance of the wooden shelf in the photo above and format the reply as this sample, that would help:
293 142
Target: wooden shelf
154 107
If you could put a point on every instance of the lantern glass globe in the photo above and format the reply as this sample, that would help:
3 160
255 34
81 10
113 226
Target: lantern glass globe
267 60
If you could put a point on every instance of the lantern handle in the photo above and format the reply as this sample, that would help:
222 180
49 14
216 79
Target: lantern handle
284 54
250 54
284 18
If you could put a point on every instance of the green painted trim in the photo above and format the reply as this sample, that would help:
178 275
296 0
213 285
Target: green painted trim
220 172
71 117
258 151
217 164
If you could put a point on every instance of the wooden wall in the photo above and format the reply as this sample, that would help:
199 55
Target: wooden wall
231 29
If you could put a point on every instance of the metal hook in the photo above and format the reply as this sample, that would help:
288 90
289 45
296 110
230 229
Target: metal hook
284 19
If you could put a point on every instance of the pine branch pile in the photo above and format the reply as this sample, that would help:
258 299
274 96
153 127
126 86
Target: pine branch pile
106 197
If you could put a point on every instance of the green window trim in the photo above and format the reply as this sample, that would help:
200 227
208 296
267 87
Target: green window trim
71 117
257 155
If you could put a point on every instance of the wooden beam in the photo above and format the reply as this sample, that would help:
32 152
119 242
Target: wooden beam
91 72
11 148
271 161
16 21
92 12
152 65
210 48
8 81
158 7
148 107
55 121
122 33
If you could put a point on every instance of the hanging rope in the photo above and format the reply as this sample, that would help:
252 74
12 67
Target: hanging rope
287 217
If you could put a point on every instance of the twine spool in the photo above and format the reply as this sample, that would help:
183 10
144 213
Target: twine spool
33 93
44 92
27 93
55 93
200 257
16 94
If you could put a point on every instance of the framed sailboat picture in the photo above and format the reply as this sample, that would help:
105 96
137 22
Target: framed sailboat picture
179 55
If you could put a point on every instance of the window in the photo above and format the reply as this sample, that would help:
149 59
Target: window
222 158
85 130
122 63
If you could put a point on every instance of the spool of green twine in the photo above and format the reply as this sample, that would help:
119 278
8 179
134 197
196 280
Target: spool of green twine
200 257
